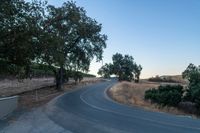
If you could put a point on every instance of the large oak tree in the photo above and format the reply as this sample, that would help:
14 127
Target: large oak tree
75 39
64 38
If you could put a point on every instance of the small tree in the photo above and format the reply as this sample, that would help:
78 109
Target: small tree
71 40
105 71
123 66
137 72
192 73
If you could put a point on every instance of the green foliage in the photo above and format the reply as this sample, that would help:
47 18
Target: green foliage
36 70
123 66
126 68
88 75
192 73
137 72
6 69
19 30
165 95
77 37
41 70
106 70
78 76
61 37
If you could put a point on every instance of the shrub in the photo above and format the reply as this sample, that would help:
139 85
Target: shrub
192 74
193 94
165 95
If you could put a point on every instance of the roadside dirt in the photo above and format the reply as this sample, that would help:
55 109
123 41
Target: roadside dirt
9 87
132 94
41 96
37 92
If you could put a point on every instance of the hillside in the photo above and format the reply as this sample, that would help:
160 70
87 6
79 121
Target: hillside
168 78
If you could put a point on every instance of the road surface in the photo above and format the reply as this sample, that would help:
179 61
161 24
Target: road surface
89 110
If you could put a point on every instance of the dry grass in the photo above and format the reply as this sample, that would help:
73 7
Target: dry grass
179 79
39 97
37 92
132 94
10 87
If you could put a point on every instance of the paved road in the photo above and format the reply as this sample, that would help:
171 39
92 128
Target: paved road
89 110
34 121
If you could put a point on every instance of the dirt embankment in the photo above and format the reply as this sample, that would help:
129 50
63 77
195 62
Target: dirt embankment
10 87
43 95
132 94
37 92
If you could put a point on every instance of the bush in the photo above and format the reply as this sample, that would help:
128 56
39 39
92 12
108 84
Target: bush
193 94
192 74
188 107
165 95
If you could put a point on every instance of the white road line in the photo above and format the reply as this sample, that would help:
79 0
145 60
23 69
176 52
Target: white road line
118 113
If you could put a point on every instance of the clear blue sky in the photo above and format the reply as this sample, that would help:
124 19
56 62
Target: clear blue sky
162 35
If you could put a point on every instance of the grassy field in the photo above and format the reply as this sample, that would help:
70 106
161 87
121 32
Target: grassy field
132 94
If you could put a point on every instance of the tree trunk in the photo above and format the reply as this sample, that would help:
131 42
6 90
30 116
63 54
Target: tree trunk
59 78
120 77
137 79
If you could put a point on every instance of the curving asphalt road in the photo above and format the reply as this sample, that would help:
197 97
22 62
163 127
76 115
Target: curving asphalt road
89 110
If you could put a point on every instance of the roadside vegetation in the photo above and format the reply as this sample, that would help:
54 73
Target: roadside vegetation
176 98
175 95
132 94
124 67
169 95
40 71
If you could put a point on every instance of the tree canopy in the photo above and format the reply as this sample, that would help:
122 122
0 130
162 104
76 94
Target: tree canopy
105 70
192 73
18 28
64 38
123 66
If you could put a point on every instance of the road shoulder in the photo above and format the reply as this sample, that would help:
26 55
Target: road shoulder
34 121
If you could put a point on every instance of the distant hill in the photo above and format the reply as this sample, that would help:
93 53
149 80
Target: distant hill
168 78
